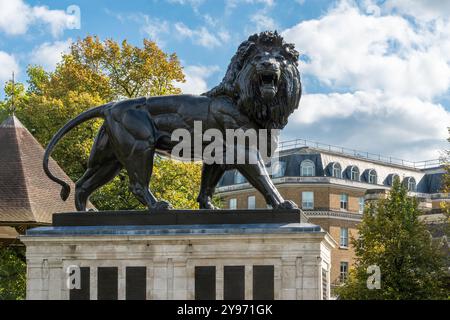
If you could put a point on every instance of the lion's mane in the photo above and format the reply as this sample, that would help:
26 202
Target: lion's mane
241 85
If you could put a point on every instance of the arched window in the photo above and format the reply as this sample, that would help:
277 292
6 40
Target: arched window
372 176
238 177
354 173
336 170
393 177
410 183
307 168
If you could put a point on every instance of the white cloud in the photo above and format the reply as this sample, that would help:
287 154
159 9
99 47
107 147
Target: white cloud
347 48
231 4
262 22
192 3
196 78
201 36
49 54
155 29
8 65
405 127
159 30
16 17
393 70
421 9
210 21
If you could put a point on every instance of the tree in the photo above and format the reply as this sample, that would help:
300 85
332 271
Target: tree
446 182
392 238
12 273
93 73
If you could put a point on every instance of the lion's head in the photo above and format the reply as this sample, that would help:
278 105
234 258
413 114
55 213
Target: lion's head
263 79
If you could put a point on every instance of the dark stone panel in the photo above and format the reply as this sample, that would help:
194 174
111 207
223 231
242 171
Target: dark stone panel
205 283
175 217
136 283
324 284
263 282
107 283
84 292
234 283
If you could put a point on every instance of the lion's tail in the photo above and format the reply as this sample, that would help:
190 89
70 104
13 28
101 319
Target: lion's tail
96 112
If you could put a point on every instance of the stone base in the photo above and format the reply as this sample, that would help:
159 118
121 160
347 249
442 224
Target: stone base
203 261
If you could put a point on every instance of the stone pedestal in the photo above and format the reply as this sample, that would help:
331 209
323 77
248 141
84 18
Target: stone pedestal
265 259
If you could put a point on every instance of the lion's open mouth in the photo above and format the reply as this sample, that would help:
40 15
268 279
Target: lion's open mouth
268 84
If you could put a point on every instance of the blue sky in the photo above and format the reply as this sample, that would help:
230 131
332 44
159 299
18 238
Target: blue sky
376 74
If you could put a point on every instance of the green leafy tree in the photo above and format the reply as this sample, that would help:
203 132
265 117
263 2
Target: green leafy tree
12 273
446 182
92 73
393 238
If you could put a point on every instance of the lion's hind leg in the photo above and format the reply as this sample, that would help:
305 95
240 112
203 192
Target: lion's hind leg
134 139
211 174
103 166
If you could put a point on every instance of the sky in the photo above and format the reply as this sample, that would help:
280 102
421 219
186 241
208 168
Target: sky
375 74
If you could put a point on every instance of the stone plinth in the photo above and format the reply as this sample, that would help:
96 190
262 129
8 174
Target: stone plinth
269 259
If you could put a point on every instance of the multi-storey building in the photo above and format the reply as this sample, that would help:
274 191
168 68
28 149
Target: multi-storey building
332 184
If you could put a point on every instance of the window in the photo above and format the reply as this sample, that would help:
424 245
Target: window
307 168
354 173
233 203
361 205
343 271
344 201
251 202
393 177
343 242
278 169
372 177
337 171
307 200
410 183
238 177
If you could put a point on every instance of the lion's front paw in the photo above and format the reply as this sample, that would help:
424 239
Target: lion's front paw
205 203
287 204
162 205
209 206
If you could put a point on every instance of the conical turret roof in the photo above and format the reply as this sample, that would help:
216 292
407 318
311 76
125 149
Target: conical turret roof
27 195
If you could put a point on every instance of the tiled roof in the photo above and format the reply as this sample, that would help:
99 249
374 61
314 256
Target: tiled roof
27 195
8 233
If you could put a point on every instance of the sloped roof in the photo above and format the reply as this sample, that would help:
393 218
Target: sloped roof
8 233
27 195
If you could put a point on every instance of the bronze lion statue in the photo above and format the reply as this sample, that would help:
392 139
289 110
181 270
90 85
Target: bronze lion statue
261 88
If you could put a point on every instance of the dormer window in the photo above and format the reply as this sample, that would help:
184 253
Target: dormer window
392 178
354 173
410 184
307 168
238 178
372 176
336 170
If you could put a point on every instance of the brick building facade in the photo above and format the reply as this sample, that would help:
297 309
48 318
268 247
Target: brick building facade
332 185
